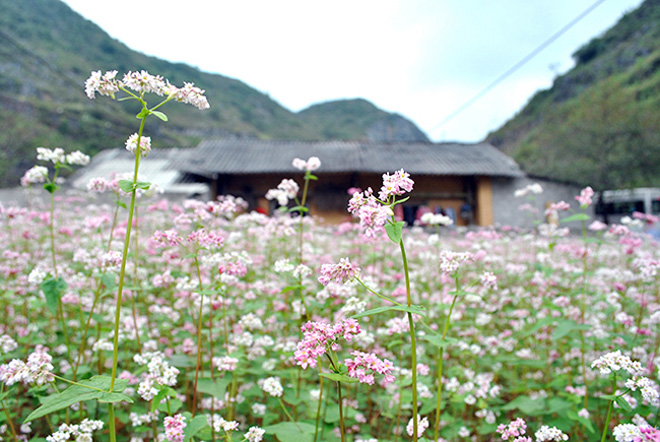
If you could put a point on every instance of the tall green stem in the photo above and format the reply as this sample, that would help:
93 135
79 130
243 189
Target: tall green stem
413 343
199 335
609 412
122 272
441 361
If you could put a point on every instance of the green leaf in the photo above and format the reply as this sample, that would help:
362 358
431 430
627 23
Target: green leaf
394 231
115 397
576 217
142 185
566 326
309 176
143 113
160 115
215 388
416 309
126 185
527 405
438 341
197 424
164 391
292 431
108 280
623 403
53 289
299 209
292 287
51 187
77 393
338 377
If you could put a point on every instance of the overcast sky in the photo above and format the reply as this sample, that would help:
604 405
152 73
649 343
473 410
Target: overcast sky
421 58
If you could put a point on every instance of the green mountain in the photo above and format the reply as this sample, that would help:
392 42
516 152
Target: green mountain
46 53
599 124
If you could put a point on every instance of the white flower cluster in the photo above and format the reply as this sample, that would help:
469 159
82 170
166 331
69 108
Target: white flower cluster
145 144
81 432
159 373
626 433
143 419
450 261
533 189
422 424
546 433
7 343
34 175
286 190
254 434
251 322
219 424
57 155
311 164
646 386
272 386
616 361
225 363
37 370
436 219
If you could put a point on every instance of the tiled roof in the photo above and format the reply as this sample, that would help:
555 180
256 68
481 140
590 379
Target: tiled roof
253 156
161 166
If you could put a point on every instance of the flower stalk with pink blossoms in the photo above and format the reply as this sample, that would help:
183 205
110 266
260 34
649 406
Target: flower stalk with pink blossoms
377 215
136 85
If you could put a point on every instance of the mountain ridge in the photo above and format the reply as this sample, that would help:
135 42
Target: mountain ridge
49 50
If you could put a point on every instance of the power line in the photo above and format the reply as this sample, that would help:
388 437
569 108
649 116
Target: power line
517 66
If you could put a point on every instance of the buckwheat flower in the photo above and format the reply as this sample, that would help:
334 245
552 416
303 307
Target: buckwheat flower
584 198
363 366
98 185
627 433
646 386
34 175
189 94
144 82
422 424
258 409
168 237
174 426
254 434
489 280
436 219
546 433
616 361
272 386
103 84
310 165
396 184
77 158
7 344
529 189
111 259
53 155
341 272
285 191
145 145
450 261
225 363
515 428
597 226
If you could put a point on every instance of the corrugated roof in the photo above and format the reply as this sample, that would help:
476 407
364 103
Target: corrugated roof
252 156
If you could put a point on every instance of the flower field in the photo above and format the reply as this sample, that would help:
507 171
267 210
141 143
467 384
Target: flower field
148 319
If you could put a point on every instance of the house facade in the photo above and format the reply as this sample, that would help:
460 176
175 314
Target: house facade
452 178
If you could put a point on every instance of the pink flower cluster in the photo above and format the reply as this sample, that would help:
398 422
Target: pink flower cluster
372 214
363 366
341 272
204 238
396 184
515 429
318 337
168 237
584 198
37 370
174 426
